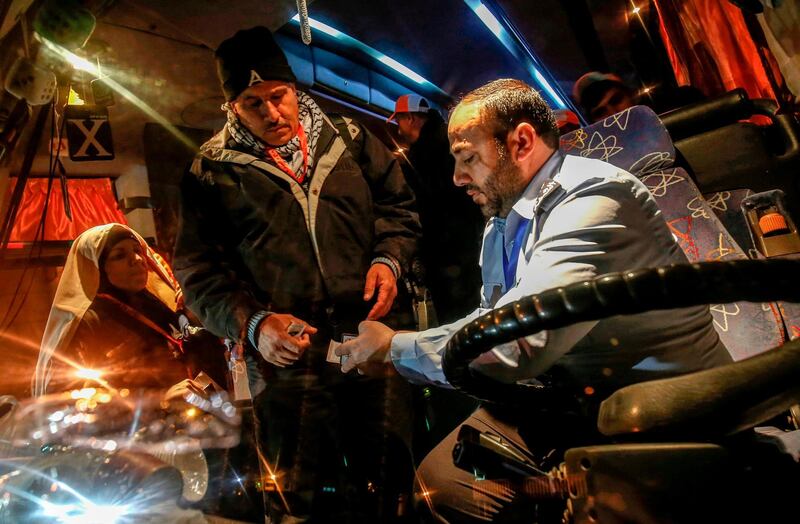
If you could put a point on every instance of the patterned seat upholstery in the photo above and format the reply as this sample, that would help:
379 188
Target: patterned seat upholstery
636 140
727 205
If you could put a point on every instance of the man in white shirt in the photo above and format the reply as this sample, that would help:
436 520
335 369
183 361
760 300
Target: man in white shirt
552 220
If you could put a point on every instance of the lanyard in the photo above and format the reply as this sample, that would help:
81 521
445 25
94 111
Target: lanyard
143 319
283 166
510 266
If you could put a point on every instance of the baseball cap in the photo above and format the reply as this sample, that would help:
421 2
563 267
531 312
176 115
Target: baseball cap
566 119
590 81
410 103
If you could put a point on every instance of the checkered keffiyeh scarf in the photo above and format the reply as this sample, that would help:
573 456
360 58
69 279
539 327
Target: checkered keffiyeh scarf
310 118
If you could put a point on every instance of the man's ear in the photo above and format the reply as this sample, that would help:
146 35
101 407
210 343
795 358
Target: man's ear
521 141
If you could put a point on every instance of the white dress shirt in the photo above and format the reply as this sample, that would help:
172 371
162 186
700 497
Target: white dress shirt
587 218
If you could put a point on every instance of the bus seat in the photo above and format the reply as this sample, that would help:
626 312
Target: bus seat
722 151
637 141
728 207
730 159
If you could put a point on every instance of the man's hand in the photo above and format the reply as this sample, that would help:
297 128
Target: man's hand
380 276
369 352
276 345
183 389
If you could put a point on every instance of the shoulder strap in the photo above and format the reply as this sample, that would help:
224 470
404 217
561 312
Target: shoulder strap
342 125
136 315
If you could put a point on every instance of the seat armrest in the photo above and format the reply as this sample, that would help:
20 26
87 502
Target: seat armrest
707 404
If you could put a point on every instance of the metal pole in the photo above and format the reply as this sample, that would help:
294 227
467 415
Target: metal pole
22 178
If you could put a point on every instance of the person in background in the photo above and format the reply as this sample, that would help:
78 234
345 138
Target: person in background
452 225
452 228
601 95
294 226
117 310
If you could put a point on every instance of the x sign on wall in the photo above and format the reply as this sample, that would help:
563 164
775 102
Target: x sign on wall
89 133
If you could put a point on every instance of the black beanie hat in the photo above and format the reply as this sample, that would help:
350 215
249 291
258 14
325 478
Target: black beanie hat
248 57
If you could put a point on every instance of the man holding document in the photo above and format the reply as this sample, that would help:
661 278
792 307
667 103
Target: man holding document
553 220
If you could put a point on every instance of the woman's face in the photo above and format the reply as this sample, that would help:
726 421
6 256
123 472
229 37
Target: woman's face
125 266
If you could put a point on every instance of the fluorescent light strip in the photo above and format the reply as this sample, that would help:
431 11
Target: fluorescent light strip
319 26
500 32
489 20
374 53
400 68
547 87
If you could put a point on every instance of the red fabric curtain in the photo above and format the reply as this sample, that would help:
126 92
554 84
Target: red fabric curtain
91 201
710 47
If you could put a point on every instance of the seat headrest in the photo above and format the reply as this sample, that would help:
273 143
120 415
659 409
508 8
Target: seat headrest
634 140
704 116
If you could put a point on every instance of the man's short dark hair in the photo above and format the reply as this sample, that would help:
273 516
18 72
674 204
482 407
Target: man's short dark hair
506 103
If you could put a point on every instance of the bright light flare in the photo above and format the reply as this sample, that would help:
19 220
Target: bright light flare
636 10
84 513
89 374
82 510
85 393
84 65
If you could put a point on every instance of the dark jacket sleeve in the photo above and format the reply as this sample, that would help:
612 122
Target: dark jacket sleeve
397 227
205 263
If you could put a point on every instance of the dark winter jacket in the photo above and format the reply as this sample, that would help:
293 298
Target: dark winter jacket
250 238
131 354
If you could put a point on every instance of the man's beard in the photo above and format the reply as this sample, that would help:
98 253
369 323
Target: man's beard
503 187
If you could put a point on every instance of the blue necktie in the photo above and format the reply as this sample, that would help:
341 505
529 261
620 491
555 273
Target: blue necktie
510 266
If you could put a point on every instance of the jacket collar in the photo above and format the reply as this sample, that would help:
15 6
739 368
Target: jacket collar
540 187
216 148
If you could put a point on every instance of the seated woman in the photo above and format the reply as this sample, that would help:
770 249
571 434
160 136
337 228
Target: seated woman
117 310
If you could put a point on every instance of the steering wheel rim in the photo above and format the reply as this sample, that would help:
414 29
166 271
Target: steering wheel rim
629 292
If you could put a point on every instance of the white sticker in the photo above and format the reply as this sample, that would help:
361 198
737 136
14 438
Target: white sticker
332 358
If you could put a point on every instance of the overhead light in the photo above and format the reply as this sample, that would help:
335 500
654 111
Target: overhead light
515 47
319 26
374 53
489 20
400 68
547 87
636 10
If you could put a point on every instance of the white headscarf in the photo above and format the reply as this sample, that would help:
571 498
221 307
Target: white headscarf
78 287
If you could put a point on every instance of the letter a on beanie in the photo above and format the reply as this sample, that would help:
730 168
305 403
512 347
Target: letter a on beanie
254 78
